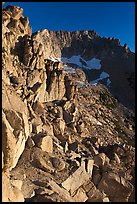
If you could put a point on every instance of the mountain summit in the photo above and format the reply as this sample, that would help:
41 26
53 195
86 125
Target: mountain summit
85 49
68 122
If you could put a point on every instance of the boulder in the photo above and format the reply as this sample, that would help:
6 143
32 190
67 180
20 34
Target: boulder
116 158
77 179
15 126
58 163
12 145
90 163
38 108
10 193
80 195
30 142
42 190
70 112
80 127
93 194
116 187
44 165
46 144
101 160
96 177
58 128
17 183
73 146
61 191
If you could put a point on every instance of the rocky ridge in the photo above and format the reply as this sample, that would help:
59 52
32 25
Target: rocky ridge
63 139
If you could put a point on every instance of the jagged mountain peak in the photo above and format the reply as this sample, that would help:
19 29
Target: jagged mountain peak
78 46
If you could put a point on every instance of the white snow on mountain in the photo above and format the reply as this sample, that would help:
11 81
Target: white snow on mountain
69 69
103 75
108 82
75 59
54 59
94 63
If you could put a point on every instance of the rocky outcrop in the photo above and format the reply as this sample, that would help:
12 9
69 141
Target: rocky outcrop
10 193
115 59
63 139
15 126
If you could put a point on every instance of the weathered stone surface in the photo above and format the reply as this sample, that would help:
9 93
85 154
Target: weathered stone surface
94 195
106 199
96 177
44 165
116 157
70 112
17 183
76 180
11 103
46 144
9 140
73 146
2 160
58 128
30 142
117 188
101 159
90 166
16 11
42 191
61 191
10 193
80 195
38 108
58 163
15 127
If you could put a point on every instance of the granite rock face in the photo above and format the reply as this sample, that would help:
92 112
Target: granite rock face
63 139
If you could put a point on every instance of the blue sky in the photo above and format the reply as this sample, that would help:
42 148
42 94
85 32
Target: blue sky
109 19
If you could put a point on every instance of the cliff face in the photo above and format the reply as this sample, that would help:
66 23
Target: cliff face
55 125
117 61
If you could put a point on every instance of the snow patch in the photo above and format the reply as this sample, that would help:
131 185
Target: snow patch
81 84
75 59
99 123
54 59
94 63
69 69
103 75
108 82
